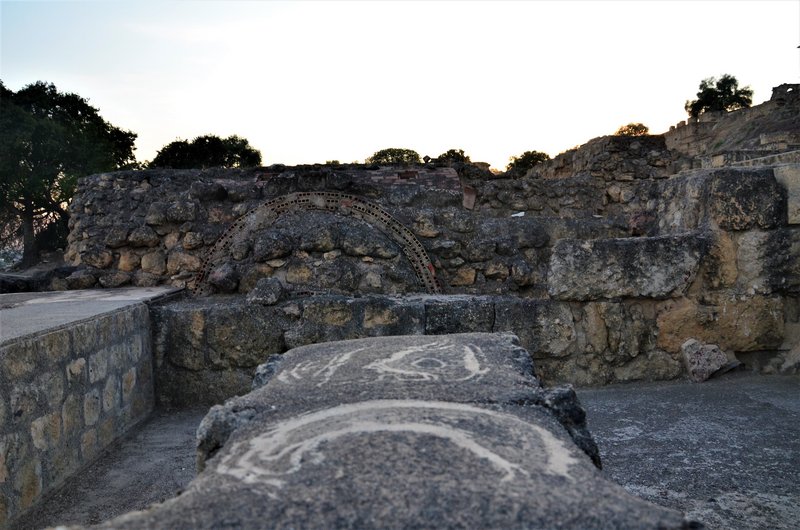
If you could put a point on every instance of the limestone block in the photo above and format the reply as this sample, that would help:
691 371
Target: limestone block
180 211
545 328
462 277
243 338
789 177
143 236
71 418
116 236
268 291
752 262
702 360
192 240
98 366
128 385
720 267
97 257
115 279
81 279
111 395
91 407
224 278
402 432
272 245
744 199
458 314
299 274
88 444
154 262
182 262
735 324
128 261
648 267
28 482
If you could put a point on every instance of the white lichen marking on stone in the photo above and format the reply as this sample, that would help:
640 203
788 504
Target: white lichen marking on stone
270 457
334 364
400 366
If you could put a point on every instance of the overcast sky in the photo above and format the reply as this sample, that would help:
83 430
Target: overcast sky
309 81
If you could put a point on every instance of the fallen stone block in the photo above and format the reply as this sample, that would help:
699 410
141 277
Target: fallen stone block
703 361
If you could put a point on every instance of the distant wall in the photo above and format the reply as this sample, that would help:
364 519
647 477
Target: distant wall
65 395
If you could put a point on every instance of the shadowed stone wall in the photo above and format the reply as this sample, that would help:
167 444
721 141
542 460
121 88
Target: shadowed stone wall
65 395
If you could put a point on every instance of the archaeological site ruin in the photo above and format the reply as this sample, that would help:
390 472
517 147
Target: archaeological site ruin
413 326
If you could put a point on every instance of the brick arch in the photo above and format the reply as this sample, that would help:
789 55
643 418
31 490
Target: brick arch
336 203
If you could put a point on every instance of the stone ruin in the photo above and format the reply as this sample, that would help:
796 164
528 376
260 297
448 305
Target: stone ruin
603 262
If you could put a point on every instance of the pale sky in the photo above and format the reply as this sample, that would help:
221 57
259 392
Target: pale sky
307 82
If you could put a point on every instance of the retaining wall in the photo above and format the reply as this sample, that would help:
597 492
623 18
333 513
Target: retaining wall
65 395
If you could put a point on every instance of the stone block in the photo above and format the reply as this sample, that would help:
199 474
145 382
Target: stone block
128 385
71 417
646 267
98 365
88 445
734 323
143 236
545 328
182 262
91 407
458 314
788 176
702 360
128 261
745 199
154 262
111 395
28 483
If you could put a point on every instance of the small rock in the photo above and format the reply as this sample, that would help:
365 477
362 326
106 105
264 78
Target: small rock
702 360
268 291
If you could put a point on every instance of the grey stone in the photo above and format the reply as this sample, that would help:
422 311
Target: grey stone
224 279
268 291
649 267
143 236
702 361
395 446
458 314
743 199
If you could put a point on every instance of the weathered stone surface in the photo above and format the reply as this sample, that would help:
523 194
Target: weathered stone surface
545 328
650 267
739 325
143 236
268 291
377 455
460 314
702 360
788 175
743 199
224 279
97 257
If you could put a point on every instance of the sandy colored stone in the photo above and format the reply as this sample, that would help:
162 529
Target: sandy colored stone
91 407
154 262
76 370
105 432
46 431
702 360
379 317
299 274
128 385
88 444
496 271
463 276
595 328
128 261
98 366
752 324
192 240
111 395
29 483
171 239
720 267
182 262
71 415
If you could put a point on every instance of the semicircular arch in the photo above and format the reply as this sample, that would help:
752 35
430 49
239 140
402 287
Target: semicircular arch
343 204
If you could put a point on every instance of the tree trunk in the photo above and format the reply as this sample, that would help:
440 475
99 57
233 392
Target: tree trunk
30 252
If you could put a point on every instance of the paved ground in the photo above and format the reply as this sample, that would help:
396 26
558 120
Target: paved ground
24 313
726 451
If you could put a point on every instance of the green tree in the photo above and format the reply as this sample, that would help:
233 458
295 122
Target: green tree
453 156
719 94
633 129
205 152
521 164
394 156
48 139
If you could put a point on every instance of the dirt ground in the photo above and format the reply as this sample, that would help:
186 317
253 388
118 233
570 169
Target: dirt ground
152 464
726 452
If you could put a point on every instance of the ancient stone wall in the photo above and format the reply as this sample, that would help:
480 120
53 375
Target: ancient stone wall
631 265
65 395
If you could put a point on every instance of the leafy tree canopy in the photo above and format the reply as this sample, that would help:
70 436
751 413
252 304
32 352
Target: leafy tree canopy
394 156
48 139
522 163
205 152
633 129
719 94
453 156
